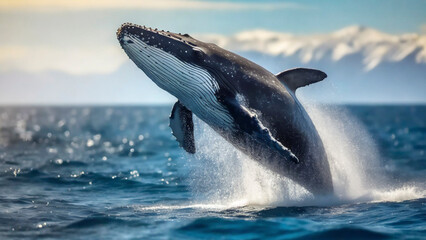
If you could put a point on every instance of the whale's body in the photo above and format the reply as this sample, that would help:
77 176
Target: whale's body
253 109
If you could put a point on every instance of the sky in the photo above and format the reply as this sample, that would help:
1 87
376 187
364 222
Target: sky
66 52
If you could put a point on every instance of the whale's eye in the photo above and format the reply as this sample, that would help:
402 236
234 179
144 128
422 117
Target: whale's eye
198 52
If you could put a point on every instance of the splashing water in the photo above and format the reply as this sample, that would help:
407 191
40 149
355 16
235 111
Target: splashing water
225 176
356 165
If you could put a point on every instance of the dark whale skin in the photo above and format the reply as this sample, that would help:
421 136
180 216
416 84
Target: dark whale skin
261 92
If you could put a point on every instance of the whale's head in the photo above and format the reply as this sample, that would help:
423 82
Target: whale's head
176 62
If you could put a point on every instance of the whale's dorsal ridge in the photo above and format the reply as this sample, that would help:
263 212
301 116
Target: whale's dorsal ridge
300 77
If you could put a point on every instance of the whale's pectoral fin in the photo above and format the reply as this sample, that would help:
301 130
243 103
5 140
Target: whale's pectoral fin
249 123
300 77
183 127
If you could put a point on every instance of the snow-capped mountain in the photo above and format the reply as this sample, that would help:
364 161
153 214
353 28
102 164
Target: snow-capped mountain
375 47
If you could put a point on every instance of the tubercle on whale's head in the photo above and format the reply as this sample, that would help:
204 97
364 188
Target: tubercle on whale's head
135 28
131 28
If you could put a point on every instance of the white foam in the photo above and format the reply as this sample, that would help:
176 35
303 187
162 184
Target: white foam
404 193
143 208
350 150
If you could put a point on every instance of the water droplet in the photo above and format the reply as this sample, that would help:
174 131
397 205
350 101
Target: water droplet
134 173
90 143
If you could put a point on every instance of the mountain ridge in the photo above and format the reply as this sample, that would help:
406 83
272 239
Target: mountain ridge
375 46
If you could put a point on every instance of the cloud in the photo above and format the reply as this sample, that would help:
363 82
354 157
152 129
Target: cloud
73 60
54 5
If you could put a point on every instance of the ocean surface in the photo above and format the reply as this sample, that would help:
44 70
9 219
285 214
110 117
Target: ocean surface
118 173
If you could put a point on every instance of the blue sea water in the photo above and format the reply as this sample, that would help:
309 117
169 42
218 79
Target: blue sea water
117 173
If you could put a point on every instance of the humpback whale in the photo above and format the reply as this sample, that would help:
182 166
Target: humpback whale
251 108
